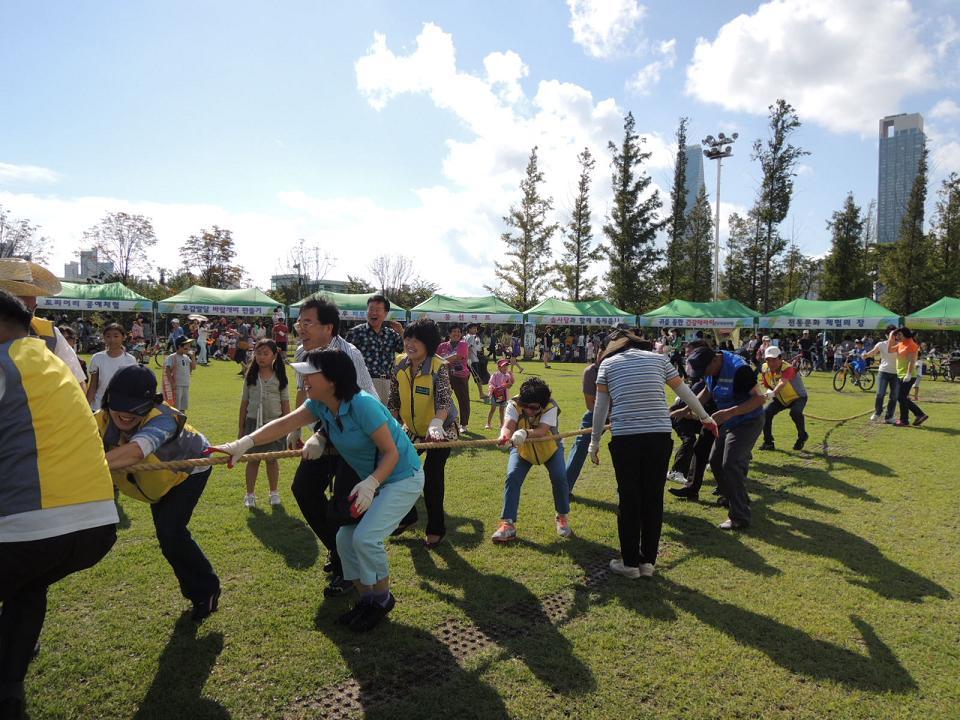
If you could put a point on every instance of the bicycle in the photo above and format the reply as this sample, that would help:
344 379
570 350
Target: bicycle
863 376
143 352
803 364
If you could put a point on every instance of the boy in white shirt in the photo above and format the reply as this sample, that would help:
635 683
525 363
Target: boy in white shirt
104 364
177 369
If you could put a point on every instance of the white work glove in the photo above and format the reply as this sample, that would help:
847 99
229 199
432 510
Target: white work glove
908 377
518 438
314 446
768 395
593 450
363 493
294 439
235 449
435 430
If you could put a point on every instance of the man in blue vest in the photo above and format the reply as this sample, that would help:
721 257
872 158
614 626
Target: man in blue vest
732 383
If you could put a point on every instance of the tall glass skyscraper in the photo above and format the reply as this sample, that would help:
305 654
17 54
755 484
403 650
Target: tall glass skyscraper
694 175
901 142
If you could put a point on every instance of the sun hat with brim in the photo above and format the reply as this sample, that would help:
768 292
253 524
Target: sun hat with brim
132 390
304 368
771 352
698 361
503 363
27 279
183 341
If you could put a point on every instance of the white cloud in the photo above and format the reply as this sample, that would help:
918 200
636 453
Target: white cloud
504 71
946 109
649 74
843 65
26 174
604 27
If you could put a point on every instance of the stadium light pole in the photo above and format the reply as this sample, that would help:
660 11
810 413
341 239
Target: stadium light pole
718 148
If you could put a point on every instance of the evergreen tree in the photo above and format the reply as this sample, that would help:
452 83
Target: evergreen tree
526 273
736 270
578 254
676 272
797 277
908 272
844 269
632 227
778 160
208 258
697 283
946 234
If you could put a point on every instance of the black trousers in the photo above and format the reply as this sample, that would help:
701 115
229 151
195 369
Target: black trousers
693 456
27 569
310 484
640 465
907 405
796 414
433 490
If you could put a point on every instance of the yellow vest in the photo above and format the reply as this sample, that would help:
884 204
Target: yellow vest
44 329
536 452
417 394
50 455
771 378
146 486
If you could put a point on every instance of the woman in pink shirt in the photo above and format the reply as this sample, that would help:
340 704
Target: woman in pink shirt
499 387
457 354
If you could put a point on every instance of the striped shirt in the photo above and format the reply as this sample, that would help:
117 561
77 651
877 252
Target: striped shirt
635 380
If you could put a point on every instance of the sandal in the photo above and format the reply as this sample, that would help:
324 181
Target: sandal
431 545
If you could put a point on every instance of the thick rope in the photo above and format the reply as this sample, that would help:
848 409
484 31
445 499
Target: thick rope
808 416
280 454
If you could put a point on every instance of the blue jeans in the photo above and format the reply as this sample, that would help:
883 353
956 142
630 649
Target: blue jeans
578 453
517 469
171 514
885 380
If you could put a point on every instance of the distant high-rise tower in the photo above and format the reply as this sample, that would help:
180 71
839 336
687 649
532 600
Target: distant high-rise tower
694 175
901 142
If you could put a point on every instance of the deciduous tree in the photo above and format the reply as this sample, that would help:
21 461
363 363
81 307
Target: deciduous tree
123 239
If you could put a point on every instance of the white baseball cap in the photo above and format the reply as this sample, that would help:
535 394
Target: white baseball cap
771 352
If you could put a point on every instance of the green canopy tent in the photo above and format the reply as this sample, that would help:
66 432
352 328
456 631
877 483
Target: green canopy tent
351 306
944 314
586 312
487 309
720 315
856 314
115 297
251 302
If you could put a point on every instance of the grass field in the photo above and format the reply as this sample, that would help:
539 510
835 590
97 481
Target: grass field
840 601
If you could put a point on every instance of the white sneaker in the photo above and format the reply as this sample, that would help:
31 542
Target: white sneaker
677 477
874 417
274 498
617 566
563 526
250 500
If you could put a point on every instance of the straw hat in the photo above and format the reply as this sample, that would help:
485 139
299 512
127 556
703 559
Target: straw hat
26 279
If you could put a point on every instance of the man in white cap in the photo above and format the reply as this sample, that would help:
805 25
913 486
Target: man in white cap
28 281
785 387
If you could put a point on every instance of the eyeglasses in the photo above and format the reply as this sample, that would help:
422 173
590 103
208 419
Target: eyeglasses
307 323
533 407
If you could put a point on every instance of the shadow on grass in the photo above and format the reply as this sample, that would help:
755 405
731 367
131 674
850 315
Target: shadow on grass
462 532
816 477
703 538
871 569
516 618
941 429
183 668
284 535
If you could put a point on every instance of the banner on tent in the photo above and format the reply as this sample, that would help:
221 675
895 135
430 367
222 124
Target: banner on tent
55 303
468 317
827 323
677 322
571 320
204 309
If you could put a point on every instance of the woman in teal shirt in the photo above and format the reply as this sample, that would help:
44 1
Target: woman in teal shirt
377 448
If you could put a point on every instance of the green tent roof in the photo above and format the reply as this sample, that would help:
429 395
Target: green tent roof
352 306
586 312
685 313
944 314
212 301
104 296
487 309
858 313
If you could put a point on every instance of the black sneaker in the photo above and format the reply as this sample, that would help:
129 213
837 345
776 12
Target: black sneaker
205 608
371 615
685 492
11 708
337 587
328 565
352 614
768 446
798 445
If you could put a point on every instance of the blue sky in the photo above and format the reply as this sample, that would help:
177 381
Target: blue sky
403 128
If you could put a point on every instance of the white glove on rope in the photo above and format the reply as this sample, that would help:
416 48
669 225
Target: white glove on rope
293 439
518 438
435 430
314 446
235 449
908 377
363 493
768 395
593 450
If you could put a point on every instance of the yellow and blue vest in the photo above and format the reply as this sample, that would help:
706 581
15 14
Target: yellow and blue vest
418 395
151 486
536 452
770 380
45 330
50 453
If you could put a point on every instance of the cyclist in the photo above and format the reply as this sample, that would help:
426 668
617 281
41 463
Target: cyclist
786 389
806 347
